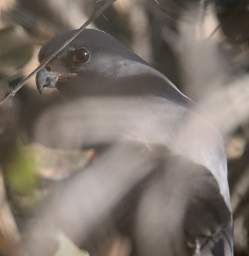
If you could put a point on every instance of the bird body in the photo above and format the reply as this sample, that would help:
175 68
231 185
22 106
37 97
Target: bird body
183 210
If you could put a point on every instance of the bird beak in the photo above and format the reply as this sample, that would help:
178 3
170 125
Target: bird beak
45 78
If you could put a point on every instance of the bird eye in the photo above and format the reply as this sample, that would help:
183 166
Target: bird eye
80 56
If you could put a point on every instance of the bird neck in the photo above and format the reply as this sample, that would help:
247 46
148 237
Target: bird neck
141 70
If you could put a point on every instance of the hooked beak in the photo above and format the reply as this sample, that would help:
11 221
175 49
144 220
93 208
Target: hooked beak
45 78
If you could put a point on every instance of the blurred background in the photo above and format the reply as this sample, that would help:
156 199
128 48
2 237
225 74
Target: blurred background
157 30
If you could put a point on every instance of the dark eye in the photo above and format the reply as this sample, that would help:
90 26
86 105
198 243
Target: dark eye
80 56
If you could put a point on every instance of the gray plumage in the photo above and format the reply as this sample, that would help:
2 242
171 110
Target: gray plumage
114 97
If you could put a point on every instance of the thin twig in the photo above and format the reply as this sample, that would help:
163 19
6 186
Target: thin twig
216 29
96 13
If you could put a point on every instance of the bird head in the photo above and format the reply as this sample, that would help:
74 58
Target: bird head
90 60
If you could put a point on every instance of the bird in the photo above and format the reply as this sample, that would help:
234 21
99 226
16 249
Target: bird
184 206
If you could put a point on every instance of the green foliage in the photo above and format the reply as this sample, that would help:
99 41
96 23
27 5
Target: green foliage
20 173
